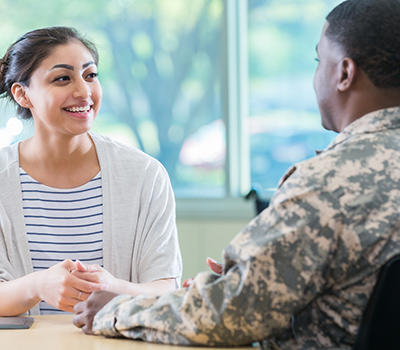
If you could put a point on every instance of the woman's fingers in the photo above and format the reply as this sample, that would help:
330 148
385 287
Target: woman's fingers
68 264
78 295
67 308
84 285
87 276
81 267
75 291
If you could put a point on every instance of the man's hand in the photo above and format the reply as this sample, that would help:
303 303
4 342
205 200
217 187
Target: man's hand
213 265
87 310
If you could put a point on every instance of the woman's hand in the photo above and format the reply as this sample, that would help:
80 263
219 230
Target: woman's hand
213 265
59 287
96 274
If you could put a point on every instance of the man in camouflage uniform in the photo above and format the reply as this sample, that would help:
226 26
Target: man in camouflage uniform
300 274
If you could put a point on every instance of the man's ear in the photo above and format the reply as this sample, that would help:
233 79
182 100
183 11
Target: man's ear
347 73
19 94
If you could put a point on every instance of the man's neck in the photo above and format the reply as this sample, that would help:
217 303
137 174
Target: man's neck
365 103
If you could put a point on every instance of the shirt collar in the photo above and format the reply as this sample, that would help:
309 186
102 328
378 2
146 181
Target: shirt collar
382 119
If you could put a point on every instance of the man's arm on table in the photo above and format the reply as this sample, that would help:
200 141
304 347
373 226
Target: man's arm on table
273 268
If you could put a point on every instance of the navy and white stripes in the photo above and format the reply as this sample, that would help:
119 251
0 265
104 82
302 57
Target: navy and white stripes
62 224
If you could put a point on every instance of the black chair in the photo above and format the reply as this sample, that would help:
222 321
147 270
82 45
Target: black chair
380 324
259 203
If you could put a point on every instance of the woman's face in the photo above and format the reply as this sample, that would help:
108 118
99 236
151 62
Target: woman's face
64 94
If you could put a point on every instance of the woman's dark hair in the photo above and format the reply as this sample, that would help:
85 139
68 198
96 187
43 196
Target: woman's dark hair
25 55
369 32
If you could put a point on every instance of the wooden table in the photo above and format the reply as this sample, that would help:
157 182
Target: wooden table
56 332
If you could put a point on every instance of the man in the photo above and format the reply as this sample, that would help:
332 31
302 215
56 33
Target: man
300 274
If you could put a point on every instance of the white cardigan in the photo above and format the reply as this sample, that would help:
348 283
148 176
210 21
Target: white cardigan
140 242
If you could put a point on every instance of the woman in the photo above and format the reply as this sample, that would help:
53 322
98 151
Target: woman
67 194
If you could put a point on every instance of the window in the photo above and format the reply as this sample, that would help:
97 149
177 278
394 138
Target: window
284 123
220 91
160 68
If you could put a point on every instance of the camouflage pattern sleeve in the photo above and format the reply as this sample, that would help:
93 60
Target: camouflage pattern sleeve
273 269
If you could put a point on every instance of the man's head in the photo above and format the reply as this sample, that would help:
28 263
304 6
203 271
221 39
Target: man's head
359 54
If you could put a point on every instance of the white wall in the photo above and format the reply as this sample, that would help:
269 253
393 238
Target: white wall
202 238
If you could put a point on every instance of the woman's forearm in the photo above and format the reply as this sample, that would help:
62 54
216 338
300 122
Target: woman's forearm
154 288
19 295
109 283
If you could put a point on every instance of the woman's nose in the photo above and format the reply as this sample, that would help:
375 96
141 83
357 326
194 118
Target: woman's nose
82 89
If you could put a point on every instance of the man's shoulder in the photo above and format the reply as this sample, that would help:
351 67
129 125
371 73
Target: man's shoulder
359 154
310 172
351 168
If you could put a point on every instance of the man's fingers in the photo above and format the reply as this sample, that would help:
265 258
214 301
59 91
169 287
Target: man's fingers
79 307
82 321
215 266
187 283
78 321
87 329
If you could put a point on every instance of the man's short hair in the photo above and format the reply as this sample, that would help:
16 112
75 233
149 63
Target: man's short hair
369 32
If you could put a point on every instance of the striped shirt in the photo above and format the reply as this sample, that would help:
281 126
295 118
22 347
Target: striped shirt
62 224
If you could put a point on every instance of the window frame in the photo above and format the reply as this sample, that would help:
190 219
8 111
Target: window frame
234 85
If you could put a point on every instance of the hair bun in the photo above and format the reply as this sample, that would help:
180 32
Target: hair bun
2 66
3 69
4 61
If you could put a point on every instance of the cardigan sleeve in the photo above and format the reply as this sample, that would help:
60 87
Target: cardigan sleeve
159 255
6 270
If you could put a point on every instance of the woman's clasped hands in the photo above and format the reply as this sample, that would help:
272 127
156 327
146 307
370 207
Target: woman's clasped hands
68 283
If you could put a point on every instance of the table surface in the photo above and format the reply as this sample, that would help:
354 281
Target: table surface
56 332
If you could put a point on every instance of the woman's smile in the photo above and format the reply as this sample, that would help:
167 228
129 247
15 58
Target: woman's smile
80 112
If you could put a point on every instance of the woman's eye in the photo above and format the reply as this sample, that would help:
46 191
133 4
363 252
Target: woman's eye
92 75
61 79
316 59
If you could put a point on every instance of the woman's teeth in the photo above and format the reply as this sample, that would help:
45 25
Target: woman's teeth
78 109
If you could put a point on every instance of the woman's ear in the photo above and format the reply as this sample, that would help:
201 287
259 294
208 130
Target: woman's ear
347 74
19 94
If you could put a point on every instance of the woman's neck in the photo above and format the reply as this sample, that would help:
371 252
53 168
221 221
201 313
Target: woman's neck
55 151
63 162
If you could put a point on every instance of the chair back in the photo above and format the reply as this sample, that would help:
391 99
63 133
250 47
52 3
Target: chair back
380 324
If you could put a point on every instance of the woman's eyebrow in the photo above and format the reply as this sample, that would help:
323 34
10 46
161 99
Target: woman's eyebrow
67 66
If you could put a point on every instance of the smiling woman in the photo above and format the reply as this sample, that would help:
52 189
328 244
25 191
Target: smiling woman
64 99
71 196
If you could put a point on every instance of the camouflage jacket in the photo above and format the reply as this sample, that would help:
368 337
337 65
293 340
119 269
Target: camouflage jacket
300 274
